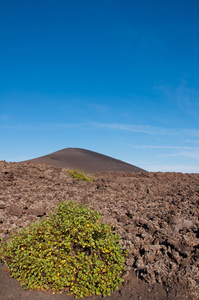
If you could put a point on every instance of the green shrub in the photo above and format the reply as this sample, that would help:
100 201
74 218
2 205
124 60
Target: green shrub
79 175
70 251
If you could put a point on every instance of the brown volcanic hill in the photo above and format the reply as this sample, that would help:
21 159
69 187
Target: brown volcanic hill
85 160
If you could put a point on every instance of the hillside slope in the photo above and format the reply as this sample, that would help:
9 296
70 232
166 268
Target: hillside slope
85 160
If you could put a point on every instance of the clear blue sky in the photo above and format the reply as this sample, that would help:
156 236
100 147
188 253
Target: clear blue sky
113 76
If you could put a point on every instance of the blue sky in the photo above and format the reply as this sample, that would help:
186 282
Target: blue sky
113 76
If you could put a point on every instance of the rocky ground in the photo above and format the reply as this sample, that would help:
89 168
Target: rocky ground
157 215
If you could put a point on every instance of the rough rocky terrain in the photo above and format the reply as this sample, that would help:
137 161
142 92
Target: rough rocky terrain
157 215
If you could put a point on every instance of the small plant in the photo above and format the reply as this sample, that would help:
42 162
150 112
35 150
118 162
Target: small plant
70 251
79 175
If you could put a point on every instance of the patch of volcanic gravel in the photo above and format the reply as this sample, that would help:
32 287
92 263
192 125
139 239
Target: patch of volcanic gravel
157 215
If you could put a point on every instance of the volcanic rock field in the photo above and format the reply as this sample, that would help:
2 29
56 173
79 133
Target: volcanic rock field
156 214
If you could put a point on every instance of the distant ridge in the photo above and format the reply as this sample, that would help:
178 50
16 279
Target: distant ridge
85 160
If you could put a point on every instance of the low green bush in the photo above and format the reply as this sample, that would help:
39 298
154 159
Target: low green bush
71 251
79 175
